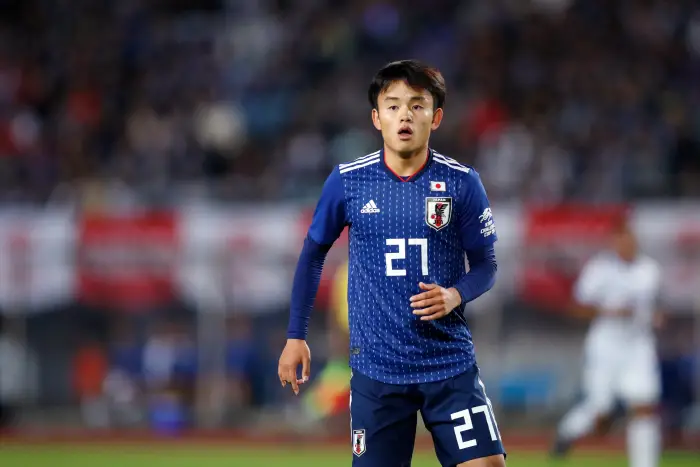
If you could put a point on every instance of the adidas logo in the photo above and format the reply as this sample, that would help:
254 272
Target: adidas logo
369 208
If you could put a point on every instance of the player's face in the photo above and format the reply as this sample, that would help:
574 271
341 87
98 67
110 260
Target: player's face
625 244
405 117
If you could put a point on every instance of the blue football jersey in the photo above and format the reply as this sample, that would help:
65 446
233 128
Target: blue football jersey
402 231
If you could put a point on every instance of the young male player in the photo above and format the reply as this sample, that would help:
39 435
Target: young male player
412 215
619 289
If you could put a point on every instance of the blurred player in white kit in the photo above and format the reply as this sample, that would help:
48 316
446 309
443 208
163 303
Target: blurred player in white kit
619 289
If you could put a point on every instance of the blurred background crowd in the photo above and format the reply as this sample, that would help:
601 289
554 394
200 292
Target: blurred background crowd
550 99
159 158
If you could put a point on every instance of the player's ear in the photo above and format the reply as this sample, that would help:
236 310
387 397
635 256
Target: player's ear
375 120
437 119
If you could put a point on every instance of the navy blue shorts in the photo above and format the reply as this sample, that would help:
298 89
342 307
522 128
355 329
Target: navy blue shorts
456 411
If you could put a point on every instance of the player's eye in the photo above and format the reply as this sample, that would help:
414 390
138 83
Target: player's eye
417 107
393 107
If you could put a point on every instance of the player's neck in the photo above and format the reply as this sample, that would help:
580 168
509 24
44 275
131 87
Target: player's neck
405 165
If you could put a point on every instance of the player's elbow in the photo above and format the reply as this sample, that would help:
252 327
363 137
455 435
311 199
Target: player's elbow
487 269
493 269
490 268
482 277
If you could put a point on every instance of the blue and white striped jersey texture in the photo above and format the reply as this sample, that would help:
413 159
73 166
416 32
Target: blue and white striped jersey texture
402 231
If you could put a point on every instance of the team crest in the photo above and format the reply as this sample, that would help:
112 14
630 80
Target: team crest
359 445
438 212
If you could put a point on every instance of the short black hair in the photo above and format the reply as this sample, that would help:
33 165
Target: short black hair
415 73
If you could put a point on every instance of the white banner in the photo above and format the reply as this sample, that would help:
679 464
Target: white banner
239 259
242 260
36 260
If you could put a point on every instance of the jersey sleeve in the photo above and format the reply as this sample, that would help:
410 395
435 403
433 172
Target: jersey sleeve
330 216
476 224
327 224
481 276
587 286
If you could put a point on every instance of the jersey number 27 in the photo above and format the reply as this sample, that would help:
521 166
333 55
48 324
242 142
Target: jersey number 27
400 243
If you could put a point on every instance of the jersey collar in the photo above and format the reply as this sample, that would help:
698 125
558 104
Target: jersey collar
409 178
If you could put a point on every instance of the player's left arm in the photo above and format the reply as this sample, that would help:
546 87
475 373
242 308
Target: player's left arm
477 235
658 314
329 220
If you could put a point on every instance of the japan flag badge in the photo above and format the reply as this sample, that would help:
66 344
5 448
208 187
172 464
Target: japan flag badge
437 186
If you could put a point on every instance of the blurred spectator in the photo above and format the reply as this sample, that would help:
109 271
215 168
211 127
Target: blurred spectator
167 359
122 385
169 368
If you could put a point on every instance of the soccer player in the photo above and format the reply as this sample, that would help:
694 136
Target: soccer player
619 290
412 214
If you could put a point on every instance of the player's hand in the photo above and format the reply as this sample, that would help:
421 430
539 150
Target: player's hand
436 302
295 353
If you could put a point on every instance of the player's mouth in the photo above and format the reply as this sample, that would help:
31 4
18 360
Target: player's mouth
405 133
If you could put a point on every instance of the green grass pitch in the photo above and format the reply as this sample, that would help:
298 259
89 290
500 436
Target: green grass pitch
173 456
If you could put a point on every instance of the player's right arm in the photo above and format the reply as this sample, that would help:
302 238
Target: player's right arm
586 292
328 222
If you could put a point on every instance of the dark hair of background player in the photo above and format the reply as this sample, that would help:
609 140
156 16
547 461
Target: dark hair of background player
415 74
